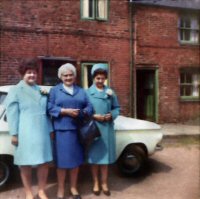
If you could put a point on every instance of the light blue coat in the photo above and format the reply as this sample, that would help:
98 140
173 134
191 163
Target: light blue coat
27 119
103 149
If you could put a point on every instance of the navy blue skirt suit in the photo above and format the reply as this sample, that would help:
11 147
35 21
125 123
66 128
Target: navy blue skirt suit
68 152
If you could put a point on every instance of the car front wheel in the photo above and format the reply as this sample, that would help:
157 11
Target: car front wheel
4 173
131 160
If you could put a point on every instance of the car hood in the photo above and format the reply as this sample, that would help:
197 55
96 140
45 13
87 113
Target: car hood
127 123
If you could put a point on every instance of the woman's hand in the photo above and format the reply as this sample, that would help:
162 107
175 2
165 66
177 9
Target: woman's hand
99 118
108 117
14 140
70 111
73 112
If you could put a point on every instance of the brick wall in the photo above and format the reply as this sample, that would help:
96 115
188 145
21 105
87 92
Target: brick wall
158 45
54 28
42 27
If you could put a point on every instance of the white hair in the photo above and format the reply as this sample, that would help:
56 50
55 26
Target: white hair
66 67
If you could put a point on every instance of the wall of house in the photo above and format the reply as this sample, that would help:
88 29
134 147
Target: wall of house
39 28
158 45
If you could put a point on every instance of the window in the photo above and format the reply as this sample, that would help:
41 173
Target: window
49 69
190 84
189 29
94 9
86 76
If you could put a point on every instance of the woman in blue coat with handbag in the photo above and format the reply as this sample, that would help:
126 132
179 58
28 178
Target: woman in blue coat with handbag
67 104
30 128
106 109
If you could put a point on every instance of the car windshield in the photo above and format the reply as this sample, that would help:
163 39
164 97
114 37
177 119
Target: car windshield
2 97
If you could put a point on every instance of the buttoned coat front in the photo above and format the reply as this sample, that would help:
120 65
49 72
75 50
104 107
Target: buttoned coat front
27 119
68 151
102 150
59 98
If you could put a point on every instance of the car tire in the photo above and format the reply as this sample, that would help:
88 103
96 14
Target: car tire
4 173
131 160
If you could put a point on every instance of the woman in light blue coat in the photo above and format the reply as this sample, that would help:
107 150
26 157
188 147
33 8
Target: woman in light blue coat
106 108
30 128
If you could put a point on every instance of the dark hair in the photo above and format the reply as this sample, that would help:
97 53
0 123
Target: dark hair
99 72
28 64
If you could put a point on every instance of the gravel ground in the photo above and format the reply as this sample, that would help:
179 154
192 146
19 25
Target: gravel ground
173 173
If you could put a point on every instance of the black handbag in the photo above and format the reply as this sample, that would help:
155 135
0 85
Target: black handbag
88 132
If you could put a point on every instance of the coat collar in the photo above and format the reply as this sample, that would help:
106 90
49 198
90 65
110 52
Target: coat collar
75 87
32 91
95 93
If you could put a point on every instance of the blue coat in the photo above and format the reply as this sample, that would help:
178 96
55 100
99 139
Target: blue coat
60 98
102 150
27 119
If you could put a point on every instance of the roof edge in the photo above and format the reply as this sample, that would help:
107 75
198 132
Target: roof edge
157 3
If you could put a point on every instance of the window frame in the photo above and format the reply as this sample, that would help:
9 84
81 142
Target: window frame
96 10
191 71
95 7
87 18
52 62
181 30
85 64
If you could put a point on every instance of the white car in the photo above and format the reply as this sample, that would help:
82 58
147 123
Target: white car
135 141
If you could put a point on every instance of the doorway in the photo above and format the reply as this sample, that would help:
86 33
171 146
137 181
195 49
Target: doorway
147 94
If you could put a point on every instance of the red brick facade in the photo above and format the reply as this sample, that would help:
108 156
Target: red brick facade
41 28
158 44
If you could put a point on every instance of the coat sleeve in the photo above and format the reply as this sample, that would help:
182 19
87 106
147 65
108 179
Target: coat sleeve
115 109
12 111
52 108
88 108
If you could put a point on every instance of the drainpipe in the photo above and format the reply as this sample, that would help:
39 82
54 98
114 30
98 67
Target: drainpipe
132 66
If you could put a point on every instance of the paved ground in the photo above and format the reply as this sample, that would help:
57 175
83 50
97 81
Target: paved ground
174 129
169 174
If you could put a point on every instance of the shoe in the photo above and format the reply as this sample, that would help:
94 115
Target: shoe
97 193
107 192
76 196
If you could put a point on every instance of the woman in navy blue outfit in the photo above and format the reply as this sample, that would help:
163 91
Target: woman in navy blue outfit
67 104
